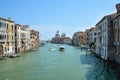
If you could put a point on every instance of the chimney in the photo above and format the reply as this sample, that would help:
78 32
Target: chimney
118 8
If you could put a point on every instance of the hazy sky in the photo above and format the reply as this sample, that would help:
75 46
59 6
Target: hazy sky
48 16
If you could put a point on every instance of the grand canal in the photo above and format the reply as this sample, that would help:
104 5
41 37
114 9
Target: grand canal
71 64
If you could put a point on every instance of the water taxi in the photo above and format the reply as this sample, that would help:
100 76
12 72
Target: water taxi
51 49
62 48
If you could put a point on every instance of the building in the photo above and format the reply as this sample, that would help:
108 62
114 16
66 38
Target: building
117 35
67 40
83 39
91 38
7 36
61 39
105 37
92 35
34 40
79 38
15 38
25 38
56 39
76 39
18 40
87 36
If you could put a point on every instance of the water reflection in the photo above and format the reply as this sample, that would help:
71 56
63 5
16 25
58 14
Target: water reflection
97 71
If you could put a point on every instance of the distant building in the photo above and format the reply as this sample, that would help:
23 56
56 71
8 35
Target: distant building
76 39
34 40
92 35
79 38
61 39
57 35
67 40
83 39
91 38
63 35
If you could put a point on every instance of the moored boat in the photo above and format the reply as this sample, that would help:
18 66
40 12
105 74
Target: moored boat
2 58
14 55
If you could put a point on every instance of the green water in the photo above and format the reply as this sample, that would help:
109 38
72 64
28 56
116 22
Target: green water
71 64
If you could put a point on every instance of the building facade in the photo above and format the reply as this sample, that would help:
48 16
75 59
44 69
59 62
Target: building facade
117 34
91 35
25 38
61 39
18 41
83 39
7 36
105 37
79 38
34 40
76 39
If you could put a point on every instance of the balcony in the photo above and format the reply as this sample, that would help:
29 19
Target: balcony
99 32
3 40
2 29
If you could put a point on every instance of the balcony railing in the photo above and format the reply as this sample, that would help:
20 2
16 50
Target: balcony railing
2 28
3 40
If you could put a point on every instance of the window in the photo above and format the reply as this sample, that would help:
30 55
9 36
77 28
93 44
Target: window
12 26
5 49
22 34
119 24
15 27
7 26
2 25
15 34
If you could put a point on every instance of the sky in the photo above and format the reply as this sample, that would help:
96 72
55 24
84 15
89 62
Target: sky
48 16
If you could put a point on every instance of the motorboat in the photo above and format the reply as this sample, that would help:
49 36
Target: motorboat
62 48
51 49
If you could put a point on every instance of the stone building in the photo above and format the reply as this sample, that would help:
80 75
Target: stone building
34 40
83 39
18 41
61 39
105 37
117 35
76 39
7 36
79 39
25 38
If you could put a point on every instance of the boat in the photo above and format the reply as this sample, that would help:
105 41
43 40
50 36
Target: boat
51 49
14 55
62 48
42 44
2 58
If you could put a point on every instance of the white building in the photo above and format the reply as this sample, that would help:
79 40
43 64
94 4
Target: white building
18 41
91 35
104 36
25 37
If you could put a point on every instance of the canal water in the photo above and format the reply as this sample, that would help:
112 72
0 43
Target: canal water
71 64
